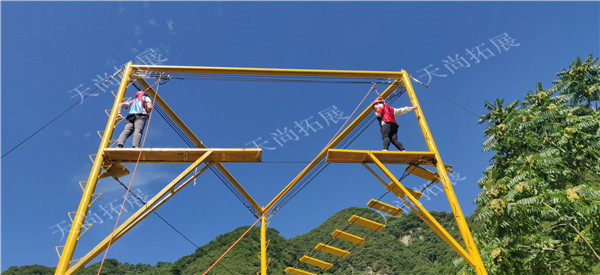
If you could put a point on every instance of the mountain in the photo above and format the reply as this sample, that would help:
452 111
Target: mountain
405 246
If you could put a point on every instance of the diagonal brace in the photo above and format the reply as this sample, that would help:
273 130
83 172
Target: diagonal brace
197 142
143 212
424 214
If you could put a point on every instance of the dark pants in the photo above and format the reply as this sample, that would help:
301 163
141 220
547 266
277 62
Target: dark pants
389 132
135 125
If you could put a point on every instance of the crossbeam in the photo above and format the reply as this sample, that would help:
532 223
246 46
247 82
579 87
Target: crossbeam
386 157
265 71
180 155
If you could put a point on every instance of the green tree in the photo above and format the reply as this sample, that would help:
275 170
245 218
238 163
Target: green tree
540 204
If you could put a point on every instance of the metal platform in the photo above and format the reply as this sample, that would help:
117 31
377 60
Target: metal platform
386 157
180 155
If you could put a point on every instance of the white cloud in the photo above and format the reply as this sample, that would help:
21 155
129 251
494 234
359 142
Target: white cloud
152 22
137 31
86 135
170 26
67 133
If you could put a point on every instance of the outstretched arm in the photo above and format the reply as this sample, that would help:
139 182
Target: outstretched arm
403 110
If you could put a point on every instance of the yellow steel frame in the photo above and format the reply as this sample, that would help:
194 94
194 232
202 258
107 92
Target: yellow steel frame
471 254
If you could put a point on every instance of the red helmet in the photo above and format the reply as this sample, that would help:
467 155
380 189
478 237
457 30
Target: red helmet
379 100
141 93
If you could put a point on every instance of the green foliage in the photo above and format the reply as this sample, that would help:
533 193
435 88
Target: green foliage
405 246
29 269
540 205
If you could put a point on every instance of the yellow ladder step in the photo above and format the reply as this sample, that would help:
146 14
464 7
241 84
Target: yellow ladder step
332 250
348 237
296 271
366 223
316 262
381 206
395 188
423 173
116 170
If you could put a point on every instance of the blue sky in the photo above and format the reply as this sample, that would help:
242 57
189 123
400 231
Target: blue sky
50 50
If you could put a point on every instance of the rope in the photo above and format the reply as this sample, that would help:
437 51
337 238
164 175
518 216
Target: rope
169 224
344 144
348 119
447 98
215 170
234 244
155 213
61 114
333 239
130 182
267 210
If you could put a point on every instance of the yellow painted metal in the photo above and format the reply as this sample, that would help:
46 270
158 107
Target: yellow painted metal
366 223
291 270
458 216
387 157
382 206
423 173
398 191
373 172
399 78
161 197
180 155
348 237
197 142
331 145
332 250
263 245
423 213
71 242
116 170
266 71
316 262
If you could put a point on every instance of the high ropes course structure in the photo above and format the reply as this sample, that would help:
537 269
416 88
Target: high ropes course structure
108 163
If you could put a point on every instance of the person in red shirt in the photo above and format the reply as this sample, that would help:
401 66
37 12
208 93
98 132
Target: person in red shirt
389 127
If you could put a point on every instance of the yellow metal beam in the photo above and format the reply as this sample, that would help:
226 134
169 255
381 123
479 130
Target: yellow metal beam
266 71
143 212
71 243
425 215
458 215
197 142
387 157
374 174
180 155
331 145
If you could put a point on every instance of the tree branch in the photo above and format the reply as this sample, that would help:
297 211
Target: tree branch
577 231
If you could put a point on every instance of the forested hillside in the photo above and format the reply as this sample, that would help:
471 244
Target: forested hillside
405 246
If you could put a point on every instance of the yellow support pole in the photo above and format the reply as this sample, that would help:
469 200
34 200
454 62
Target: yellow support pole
84 204
424 214
197 142
334 143
143 212
263 245
458 215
